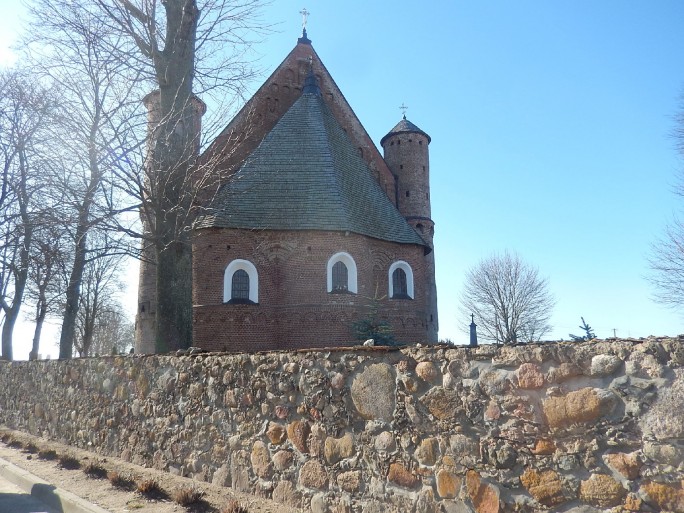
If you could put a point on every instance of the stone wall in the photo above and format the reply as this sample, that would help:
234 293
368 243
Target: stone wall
596 426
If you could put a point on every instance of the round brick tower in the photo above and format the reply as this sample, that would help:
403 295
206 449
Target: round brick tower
406 153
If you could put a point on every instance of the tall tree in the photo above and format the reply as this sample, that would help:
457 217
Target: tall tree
509 299
179 45
24 108
76 49
99 314
667 254
48 262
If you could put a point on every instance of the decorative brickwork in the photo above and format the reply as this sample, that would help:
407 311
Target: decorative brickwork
295 309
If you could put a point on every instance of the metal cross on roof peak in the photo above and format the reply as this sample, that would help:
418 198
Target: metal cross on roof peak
305 15
403 108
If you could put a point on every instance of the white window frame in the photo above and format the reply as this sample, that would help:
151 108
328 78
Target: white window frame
347 260
248 267
400 264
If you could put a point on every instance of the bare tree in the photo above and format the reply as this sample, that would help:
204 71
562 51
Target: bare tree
99 94
667 254
179 43
509 299
667 266
24 108
177 49
99 309
48 262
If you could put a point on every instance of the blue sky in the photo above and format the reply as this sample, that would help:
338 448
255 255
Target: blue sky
550 126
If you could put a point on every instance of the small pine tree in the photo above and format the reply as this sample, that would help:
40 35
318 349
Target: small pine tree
372 327
588 330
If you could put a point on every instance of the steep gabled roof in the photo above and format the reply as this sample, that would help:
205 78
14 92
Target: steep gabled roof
308 175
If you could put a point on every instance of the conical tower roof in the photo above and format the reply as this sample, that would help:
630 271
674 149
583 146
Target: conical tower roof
307 174
405 127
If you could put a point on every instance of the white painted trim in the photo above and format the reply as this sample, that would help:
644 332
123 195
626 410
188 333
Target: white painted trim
400 264
347 260
248 267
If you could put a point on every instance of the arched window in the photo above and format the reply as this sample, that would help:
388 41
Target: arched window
400 281
241 283
341 272
340 277
240 286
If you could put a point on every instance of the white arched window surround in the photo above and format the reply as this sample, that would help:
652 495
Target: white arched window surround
248 267
347 260
400 264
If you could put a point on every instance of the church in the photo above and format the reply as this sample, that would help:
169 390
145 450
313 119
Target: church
313 229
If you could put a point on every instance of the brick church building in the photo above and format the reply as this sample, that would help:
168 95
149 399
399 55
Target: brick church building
313 227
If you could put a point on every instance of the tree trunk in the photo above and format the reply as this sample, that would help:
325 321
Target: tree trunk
73 293
174 289
40 319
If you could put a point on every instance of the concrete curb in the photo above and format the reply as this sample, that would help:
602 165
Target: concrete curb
48 494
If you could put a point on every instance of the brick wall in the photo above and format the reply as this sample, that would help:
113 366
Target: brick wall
295 309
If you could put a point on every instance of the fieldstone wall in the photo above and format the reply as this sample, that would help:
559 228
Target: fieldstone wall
595 426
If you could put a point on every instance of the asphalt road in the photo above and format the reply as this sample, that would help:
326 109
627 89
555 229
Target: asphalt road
15 500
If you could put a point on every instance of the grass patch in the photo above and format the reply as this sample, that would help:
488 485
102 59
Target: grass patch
15 444
94 470
187 495
68 462
5 437
234 506
47 454
150 489
30 448
122 481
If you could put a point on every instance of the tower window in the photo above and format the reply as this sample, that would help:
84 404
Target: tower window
401 166
420 142
399 141
408 193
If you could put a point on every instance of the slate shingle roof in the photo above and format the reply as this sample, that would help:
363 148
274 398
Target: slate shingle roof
405 127
307 175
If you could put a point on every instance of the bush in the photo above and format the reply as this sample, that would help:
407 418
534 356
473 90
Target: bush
187 495
94 470
150 488
234 506
120 480
47 454
68 462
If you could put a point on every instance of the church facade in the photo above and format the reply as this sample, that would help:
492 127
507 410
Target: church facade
313 229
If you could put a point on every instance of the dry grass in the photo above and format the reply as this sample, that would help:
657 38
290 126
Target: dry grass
30 448
14 443
150 489
5 437
234 506
94 470
68 462
47 454
187 495
123 481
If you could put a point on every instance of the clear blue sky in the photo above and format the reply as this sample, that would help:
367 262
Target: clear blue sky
550 126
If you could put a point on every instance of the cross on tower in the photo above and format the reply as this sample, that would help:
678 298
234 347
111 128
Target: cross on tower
403 108
305 15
